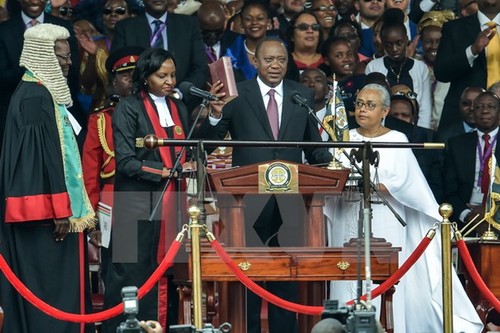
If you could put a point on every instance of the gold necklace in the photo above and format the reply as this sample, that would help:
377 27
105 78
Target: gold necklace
399 73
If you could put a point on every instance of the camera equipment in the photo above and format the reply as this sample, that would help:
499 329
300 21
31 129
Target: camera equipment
130 309
332 310
359 320
362 321
207 328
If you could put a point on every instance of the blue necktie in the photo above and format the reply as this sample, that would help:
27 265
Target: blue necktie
159 40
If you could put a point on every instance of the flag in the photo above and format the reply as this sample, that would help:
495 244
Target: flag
335 120
492 215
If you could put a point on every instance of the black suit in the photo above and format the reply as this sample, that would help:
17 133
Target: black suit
246 119
11 46
184 41
452 65
460 164
452 131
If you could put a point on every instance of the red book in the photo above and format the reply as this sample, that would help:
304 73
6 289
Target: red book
222 70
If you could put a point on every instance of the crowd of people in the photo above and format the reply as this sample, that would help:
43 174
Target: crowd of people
81 80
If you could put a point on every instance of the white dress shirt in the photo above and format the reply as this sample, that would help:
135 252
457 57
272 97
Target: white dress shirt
264 90
27 19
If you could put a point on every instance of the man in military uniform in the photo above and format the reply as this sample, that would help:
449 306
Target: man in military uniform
98 150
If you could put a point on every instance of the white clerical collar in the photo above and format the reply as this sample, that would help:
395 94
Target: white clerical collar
264 88
163 110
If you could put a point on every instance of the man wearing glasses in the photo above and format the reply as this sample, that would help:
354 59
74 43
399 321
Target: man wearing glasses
11 44
45 208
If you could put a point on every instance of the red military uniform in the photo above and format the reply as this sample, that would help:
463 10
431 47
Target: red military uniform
99 157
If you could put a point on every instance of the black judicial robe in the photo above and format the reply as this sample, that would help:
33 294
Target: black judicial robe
32 182
133 250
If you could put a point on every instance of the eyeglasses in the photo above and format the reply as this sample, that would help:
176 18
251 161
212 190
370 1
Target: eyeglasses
116 10
67 58
373 0
324 8
370 106
66 11
305 26
408 94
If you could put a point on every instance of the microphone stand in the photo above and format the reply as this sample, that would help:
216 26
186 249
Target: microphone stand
177 167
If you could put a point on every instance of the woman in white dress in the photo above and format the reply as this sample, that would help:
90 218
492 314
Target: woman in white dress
417 301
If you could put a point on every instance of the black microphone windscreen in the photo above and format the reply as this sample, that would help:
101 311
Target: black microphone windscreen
297 98
185 87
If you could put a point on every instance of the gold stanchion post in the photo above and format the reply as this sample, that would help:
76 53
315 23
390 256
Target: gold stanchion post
446 210
195 227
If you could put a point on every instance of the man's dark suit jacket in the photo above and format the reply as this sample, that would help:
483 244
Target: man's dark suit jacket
460 165
452 131
246 119
184 40
11 46
452 65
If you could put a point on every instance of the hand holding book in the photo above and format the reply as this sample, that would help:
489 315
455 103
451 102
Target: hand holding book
215 107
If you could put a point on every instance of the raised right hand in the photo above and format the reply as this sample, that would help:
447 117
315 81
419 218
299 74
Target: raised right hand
482 40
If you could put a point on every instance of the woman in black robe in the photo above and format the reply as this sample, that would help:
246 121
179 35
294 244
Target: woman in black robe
138 245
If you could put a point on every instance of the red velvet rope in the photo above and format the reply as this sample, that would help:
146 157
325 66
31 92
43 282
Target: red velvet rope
94 317
391 281
315 310
290 306
471 268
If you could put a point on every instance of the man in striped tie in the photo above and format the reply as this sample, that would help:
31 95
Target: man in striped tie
177 33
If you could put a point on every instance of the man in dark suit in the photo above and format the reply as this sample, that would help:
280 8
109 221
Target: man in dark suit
11 45
461 56
468 123
264 111
465 157
179 34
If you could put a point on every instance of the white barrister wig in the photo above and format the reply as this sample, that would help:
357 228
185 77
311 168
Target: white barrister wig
38 56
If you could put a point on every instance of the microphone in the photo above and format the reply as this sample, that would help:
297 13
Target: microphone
297 98
189 88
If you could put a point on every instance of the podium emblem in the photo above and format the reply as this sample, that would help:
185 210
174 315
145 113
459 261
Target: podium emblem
278 177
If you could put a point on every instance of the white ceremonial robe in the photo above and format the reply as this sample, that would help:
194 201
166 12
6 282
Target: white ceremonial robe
417 301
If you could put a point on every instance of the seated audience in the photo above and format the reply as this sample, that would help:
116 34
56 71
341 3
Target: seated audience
340 60
326 13
401 69
305 36
430 32
254 20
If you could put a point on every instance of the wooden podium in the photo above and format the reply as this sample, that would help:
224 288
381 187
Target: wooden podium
313 262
